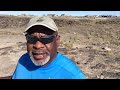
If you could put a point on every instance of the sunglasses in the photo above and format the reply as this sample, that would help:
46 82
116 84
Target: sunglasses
45 39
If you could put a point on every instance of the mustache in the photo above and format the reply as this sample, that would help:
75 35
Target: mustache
39 51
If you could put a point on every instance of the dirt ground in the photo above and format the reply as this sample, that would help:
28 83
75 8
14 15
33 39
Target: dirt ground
93 44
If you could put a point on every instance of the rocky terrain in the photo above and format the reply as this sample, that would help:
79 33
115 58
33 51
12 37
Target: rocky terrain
93 44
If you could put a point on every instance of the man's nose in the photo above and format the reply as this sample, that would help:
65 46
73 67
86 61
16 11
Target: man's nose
38 45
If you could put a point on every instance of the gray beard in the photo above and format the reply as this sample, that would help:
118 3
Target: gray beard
46 60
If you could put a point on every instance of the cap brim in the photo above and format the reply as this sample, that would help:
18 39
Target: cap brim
39 24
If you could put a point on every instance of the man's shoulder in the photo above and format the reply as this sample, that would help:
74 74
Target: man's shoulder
69 67
25 55
62 56
66 63
64 59
24 59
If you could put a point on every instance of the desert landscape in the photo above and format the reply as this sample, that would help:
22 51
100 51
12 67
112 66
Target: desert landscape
93 43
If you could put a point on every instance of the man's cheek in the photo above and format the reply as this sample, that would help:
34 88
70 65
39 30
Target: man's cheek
29 47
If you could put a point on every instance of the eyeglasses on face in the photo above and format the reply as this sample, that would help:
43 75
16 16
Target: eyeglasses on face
44 39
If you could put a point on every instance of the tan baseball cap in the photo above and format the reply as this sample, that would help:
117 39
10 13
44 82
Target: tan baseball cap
44 21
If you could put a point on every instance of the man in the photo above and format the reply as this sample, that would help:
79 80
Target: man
42 60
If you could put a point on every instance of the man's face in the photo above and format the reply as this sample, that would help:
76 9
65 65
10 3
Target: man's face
41 53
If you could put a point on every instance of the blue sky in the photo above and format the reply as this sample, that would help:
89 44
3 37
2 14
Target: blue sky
74 13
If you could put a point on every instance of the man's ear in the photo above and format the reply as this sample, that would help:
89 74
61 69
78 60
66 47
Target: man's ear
58 40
